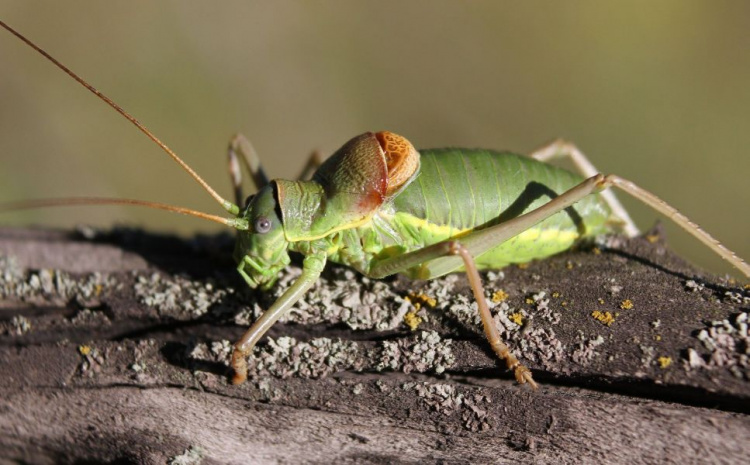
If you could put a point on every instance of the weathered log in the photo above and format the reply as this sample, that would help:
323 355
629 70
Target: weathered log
113 348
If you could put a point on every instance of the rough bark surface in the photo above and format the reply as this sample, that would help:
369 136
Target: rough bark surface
113 349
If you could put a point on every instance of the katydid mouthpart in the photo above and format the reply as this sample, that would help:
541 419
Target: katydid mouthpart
381 207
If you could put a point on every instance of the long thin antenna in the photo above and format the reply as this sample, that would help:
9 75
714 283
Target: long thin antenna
237 223
227 205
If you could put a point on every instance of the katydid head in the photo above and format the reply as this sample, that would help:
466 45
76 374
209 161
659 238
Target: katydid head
262 246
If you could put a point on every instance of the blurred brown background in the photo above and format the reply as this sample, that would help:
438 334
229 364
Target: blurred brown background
656 92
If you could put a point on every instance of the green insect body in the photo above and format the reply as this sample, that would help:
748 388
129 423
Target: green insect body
377 202
454 192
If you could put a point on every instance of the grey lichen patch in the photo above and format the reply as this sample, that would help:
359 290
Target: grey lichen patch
341 296
694 286
141 369
193 455
50 286
90 318
285 357
648 357
542 346
448 400
17 326
585 351
424 352
728 344
737 298
178 296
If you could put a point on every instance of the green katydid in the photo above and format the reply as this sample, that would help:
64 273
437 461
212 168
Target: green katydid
381 207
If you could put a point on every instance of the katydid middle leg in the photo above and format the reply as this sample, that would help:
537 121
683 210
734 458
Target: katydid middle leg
313 163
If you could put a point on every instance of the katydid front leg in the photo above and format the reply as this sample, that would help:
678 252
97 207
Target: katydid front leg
312 266
242 146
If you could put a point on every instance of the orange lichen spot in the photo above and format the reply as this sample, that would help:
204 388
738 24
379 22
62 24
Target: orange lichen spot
626 304
401 159
84 350
412 320
499 296
746 287
652 238
664 362
516 318
605 318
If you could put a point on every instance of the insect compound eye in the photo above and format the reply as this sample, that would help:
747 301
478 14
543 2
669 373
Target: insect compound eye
262 225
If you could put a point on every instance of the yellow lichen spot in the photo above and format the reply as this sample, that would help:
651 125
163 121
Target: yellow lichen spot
746 287
529 300
657 337
499 296
98 290
652 238
564 303
84 350
412 320
596 251
523 266
516 318
605 318
626 304
419 299
664 362
569 265
601 301
556 294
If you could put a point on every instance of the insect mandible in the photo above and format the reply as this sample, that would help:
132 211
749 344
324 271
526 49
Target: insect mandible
381 207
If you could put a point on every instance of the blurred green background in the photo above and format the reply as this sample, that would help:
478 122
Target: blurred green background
657 92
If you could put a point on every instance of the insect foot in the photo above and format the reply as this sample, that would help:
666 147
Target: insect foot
239 366
523 374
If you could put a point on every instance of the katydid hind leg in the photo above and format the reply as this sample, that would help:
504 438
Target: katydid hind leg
563 149
681 220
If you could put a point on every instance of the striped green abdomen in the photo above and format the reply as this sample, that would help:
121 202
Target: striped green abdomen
460 190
